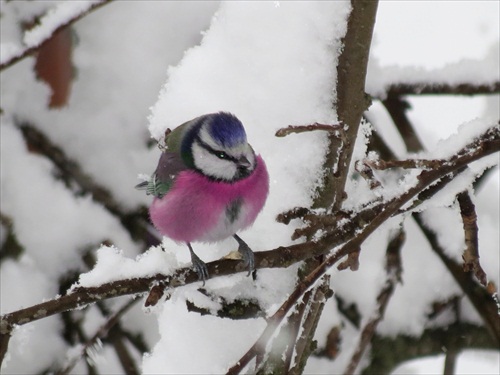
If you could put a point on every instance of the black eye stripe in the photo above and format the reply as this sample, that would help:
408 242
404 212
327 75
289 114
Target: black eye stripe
218 153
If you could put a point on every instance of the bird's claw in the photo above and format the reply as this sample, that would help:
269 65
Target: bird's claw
199 266
246 254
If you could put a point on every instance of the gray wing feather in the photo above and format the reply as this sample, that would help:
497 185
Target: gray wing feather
169 166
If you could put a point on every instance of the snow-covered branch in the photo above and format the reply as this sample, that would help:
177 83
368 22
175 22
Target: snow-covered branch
438 88
65 14
79 296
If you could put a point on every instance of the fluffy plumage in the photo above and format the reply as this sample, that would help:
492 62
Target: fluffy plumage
208 184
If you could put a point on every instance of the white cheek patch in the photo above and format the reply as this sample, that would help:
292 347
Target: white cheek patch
211 165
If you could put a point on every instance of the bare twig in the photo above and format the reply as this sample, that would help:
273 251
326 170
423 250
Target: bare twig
393 276
488 143
436 88
353 245
351 102
397 108
282 347
101 333
406 164
283 132
367 173
389 351
471 252
480 298
72 174
304 345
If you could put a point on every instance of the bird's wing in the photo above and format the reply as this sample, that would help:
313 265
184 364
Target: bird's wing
169 166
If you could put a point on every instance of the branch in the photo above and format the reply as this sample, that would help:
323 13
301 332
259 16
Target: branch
353 245
79 297
397 108
71 173
33 44
471 252
101 333
393 276
351 102
407 164
283 132
388 352
480 298
305 344
401 89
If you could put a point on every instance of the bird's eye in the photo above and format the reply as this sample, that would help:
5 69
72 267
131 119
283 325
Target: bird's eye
221 155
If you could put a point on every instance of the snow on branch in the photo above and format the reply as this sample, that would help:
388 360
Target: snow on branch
65 14
335 236
436 88
466 77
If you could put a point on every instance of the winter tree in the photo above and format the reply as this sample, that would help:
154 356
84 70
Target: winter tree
377 250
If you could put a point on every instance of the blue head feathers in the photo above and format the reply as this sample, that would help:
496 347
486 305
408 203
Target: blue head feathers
226 129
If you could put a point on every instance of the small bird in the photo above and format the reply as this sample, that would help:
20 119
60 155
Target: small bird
208 185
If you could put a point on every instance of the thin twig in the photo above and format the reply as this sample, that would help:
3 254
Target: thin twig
389 351
397 108
351 102
72 174
283 132
304 346
100 333
436 88
485 145
354 244
393 276
471 252
480 298
406 164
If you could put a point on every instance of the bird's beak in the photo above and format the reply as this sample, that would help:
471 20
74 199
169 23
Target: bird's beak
243 162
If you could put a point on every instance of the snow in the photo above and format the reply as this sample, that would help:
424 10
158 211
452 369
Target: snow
469 362
63 13
468 70
50 229
113 265
194 342
53 19
142 67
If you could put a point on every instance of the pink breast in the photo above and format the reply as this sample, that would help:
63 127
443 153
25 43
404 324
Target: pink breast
194 206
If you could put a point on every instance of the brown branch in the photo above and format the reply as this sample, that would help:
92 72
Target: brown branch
397 108
353 245
393 276
388 352
406 164
283 132
351 102
295 325
33 48
283 345
71 173
123 353
480 298
365 170
100 333
280 257
305 344
471 252
11 248
436 88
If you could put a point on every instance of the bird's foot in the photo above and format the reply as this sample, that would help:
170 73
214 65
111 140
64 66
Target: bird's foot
246 253
199 266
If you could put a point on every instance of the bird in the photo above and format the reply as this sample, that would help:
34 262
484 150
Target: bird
208 185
